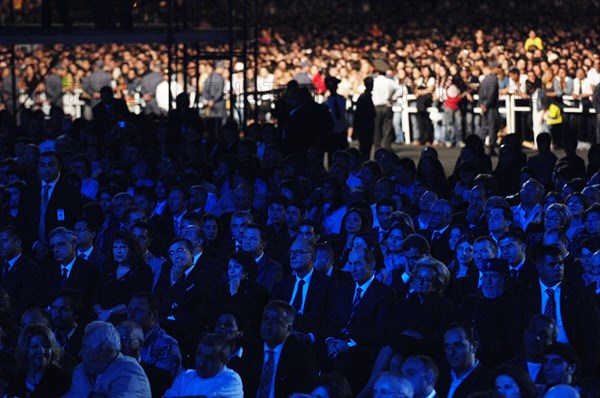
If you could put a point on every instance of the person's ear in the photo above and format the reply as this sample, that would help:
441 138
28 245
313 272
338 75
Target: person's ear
571 369
474 346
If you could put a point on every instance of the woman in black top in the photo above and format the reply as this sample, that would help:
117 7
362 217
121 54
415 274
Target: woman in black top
125 275
38 372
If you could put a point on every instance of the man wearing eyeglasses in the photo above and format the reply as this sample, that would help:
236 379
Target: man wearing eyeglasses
307 290
358 319
184 291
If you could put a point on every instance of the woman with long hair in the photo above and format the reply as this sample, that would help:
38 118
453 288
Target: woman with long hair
38 371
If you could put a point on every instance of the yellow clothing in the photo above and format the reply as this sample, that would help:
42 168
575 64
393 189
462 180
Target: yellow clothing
536 41
553 116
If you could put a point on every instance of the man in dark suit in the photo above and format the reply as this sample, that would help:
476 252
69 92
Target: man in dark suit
184 291
467 375
195 234
513 249
233 238
488 102
269 272
572 306
177 202
50 203
68 270
358 320
422 373
110 110
324 264
279 365
21 276
308 291
86 230
438 232
573 267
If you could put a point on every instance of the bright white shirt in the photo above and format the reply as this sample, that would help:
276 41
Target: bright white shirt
226 383
385 91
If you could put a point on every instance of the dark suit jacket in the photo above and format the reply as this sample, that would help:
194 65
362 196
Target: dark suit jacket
528 274
318 297
269 272
440 247
97 258
160 379
82 278
187 300
481 379
373 316
580 316
105 120
296 371
64 196
22 283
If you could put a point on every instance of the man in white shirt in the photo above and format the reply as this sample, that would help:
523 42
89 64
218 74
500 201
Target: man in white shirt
211 378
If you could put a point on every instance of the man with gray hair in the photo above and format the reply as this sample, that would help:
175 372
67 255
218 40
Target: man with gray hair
391 384
67 271
104 371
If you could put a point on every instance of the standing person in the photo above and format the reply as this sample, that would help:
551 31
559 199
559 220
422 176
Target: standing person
52 202
385 92
54 87
488 101
337 109
364 120
150 80
94 82
213 94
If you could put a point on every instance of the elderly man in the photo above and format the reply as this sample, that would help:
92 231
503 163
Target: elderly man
210 378
132 339
68 270
308 291
104 371
391 384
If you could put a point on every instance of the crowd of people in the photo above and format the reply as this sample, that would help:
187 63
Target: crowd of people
174 253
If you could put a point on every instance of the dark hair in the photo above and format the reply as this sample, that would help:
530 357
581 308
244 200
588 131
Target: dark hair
526 386
11 231
547 250
74 299
135 251
468 329
189 245
283 306
416 241
386 202
365 222
260 228
336 385
221 345
151 300
246 260
515 234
